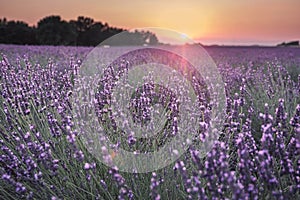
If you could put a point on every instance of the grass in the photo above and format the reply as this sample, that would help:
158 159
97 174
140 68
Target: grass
71 181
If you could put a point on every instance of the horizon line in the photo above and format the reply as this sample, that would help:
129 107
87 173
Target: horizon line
205 41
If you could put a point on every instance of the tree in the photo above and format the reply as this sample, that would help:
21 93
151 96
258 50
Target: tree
84 31
16 32
54 31
153 40
82 26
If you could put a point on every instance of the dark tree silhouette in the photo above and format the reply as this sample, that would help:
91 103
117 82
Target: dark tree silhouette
54 31
153 40
286 44
16 32
84 31
91 33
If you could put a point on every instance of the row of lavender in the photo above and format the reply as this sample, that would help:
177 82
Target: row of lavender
257 156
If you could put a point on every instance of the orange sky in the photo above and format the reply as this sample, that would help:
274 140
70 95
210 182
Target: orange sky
208 21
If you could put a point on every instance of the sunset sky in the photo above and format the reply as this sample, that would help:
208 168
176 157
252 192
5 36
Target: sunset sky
265 22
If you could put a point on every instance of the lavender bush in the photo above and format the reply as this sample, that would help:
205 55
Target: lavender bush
42 155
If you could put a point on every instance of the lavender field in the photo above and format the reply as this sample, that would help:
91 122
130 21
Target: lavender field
42 154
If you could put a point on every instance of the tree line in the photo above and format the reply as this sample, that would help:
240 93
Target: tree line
52 30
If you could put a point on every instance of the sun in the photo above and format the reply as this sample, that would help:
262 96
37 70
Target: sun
184 36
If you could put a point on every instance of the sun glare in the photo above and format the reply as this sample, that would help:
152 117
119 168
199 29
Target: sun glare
184 36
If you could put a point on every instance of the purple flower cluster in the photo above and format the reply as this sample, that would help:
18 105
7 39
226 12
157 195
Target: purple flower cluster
268 168
42 154
34 112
